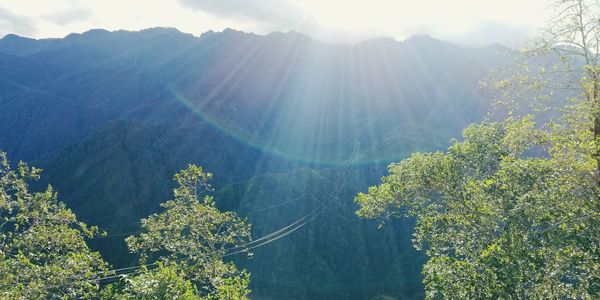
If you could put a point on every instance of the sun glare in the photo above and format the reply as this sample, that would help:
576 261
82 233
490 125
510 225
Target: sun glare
466 21
348 20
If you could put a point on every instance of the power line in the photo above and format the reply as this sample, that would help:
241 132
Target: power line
274 206
278 237
306 219
244 248
244 212
108 236
278 234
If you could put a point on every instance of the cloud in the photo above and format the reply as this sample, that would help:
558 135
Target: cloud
14 23
74 13
491 32
277 14
471 22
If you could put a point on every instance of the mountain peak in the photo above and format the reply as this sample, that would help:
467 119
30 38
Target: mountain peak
14 37
230 30
208 34
426 41
294 35
162 30
421 38
96 32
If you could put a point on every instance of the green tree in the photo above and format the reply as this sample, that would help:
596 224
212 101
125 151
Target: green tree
574 34
43 254
559 71
165 282
189 240
513 210
497 223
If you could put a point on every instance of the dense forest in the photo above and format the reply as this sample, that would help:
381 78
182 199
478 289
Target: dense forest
235 166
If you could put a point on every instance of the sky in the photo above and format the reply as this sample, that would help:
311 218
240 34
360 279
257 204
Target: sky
466 22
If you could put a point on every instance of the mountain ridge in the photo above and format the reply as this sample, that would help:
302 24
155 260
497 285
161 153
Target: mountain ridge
112 116
164 30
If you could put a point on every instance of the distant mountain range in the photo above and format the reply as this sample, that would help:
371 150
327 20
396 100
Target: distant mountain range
111 116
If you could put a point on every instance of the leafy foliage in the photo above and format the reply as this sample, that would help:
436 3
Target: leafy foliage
165 282
188 240
43 254
495 222
513 211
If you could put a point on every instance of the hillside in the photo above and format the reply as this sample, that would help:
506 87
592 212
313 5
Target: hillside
112 116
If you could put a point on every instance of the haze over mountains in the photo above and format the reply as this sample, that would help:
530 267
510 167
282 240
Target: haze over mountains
286 123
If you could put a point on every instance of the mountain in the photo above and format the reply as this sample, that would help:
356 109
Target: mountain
111 116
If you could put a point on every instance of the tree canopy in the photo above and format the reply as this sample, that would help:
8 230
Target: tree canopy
513 210
495 222
187 241
43 254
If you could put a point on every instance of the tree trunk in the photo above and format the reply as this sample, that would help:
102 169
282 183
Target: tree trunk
596 116
597 139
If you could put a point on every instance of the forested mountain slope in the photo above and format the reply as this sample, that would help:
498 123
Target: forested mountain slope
286 123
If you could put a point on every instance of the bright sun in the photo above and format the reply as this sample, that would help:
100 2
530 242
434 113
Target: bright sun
401 18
